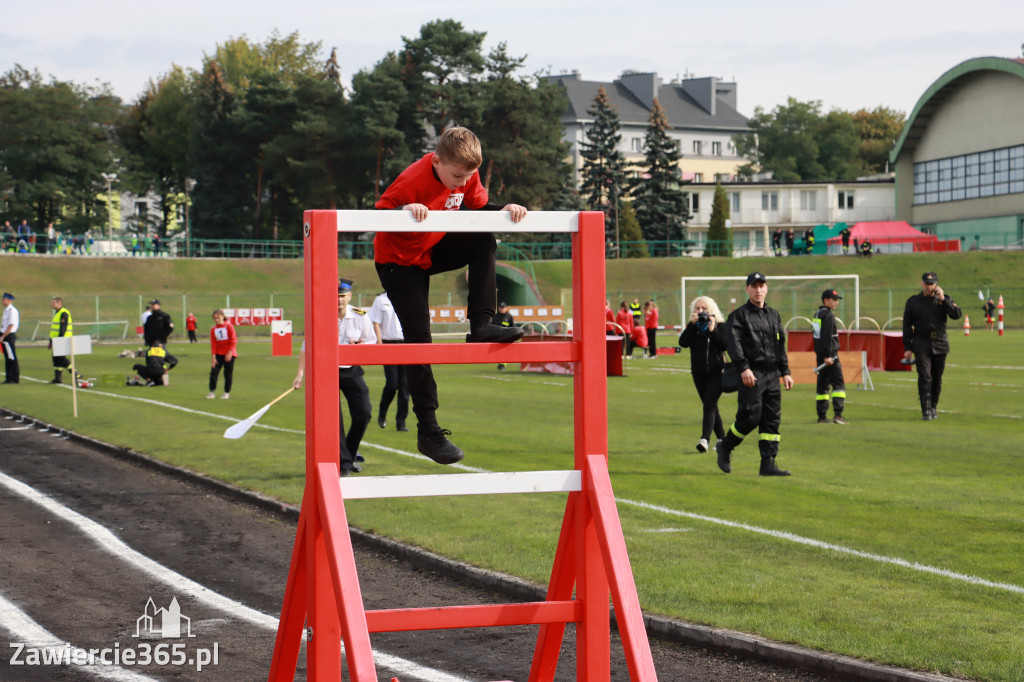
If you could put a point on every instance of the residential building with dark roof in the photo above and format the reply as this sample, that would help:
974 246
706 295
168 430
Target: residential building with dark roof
701 111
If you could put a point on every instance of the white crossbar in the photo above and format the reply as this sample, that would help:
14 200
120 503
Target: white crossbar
446 485
457 221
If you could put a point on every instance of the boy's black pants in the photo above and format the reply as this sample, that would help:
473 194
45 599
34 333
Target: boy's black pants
408 287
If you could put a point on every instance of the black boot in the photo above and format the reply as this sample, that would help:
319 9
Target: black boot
768 468
724 448
493 333
432 441
56 377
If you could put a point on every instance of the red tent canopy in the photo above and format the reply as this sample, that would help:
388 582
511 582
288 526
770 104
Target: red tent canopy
897 232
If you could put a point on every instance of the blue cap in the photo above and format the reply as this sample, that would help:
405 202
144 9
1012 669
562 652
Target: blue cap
7 295
344 285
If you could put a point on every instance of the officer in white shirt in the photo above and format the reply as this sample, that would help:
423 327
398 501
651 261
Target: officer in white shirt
389 330
9 324
354 326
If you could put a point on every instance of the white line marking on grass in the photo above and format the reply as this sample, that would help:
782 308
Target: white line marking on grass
17 428
26 631
782 535
182 585
172 406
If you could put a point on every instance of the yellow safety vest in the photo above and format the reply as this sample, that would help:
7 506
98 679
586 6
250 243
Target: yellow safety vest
55 323
157 352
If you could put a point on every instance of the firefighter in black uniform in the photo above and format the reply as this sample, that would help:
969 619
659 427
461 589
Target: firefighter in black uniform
158 363
826 352
503 318
757 345
924 336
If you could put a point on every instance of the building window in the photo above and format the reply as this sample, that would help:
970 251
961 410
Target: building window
636 144
697 145
716 148
141 209
970 176
845 200
694 202
769 201
808 200
734 203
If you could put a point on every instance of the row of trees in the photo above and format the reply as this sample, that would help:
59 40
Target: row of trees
264 131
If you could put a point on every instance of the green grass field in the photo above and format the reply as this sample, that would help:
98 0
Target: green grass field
895 540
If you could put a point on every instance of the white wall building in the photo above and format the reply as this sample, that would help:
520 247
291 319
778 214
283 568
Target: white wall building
757 209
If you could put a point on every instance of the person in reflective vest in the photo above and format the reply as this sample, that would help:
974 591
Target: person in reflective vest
826 352
60 325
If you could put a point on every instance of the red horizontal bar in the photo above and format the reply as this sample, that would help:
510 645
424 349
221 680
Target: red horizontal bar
482 616
457 353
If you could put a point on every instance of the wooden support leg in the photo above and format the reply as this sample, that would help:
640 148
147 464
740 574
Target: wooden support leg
598 487
563 577
293 612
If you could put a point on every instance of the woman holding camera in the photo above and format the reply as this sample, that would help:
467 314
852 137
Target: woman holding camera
705 338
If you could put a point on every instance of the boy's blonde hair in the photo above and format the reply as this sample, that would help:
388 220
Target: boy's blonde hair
460 147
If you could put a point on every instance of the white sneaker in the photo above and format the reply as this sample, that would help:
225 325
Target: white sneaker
225 396
702 445
211 395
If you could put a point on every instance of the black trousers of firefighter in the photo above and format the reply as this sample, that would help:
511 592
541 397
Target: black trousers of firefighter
760 407
357 395
831 376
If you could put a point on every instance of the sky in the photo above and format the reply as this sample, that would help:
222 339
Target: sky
845 55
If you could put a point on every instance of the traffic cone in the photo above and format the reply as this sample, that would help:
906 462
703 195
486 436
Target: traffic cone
1000 304
967 325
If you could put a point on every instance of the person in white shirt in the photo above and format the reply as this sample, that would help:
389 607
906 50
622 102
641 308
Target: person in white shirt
389 330
9 324
353 327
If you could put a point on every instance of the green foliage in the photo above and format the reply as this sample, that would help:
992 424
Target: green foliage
155 133
878 131
662 207
629 231
603 174
521 133
55 142
377 101
717 231
797 142
439 71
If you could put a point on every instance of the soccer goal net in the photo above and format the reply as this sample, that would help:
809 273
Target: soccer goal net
110 330
796 297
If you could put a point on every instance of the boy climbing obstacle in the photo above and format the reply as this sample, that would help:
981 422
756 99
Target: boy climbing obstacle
443 180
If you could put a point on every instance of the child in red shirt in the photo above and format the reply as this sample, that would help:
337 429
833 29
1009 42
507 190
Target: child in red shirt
444 180
651 325
190 327
223 348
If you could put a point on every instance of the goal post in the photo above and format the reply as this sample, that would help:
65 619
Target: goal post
792 295
109 330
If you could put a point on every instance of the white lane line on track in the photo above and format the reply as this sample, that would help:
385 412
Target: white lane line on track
782 535
185 586
26 631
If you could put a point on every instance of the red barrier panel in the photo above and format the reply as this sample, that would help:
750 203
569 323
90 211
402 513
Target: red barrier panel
885 349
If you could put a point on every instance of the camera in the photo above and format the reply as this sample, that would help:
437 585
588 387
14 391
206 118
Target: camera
702 321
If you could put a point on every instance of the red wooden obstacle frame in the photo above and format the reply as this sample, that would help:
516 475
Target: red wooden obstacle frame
322 591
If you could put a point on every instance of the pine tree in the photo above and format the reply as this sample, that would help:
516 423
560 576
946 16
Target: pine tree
603 164
661 205
717 232
630 233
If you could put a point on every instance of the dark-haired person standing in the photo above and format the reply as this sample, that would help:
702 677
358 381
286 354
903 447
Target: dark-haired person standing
826 352
756 342
9 324
924 336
